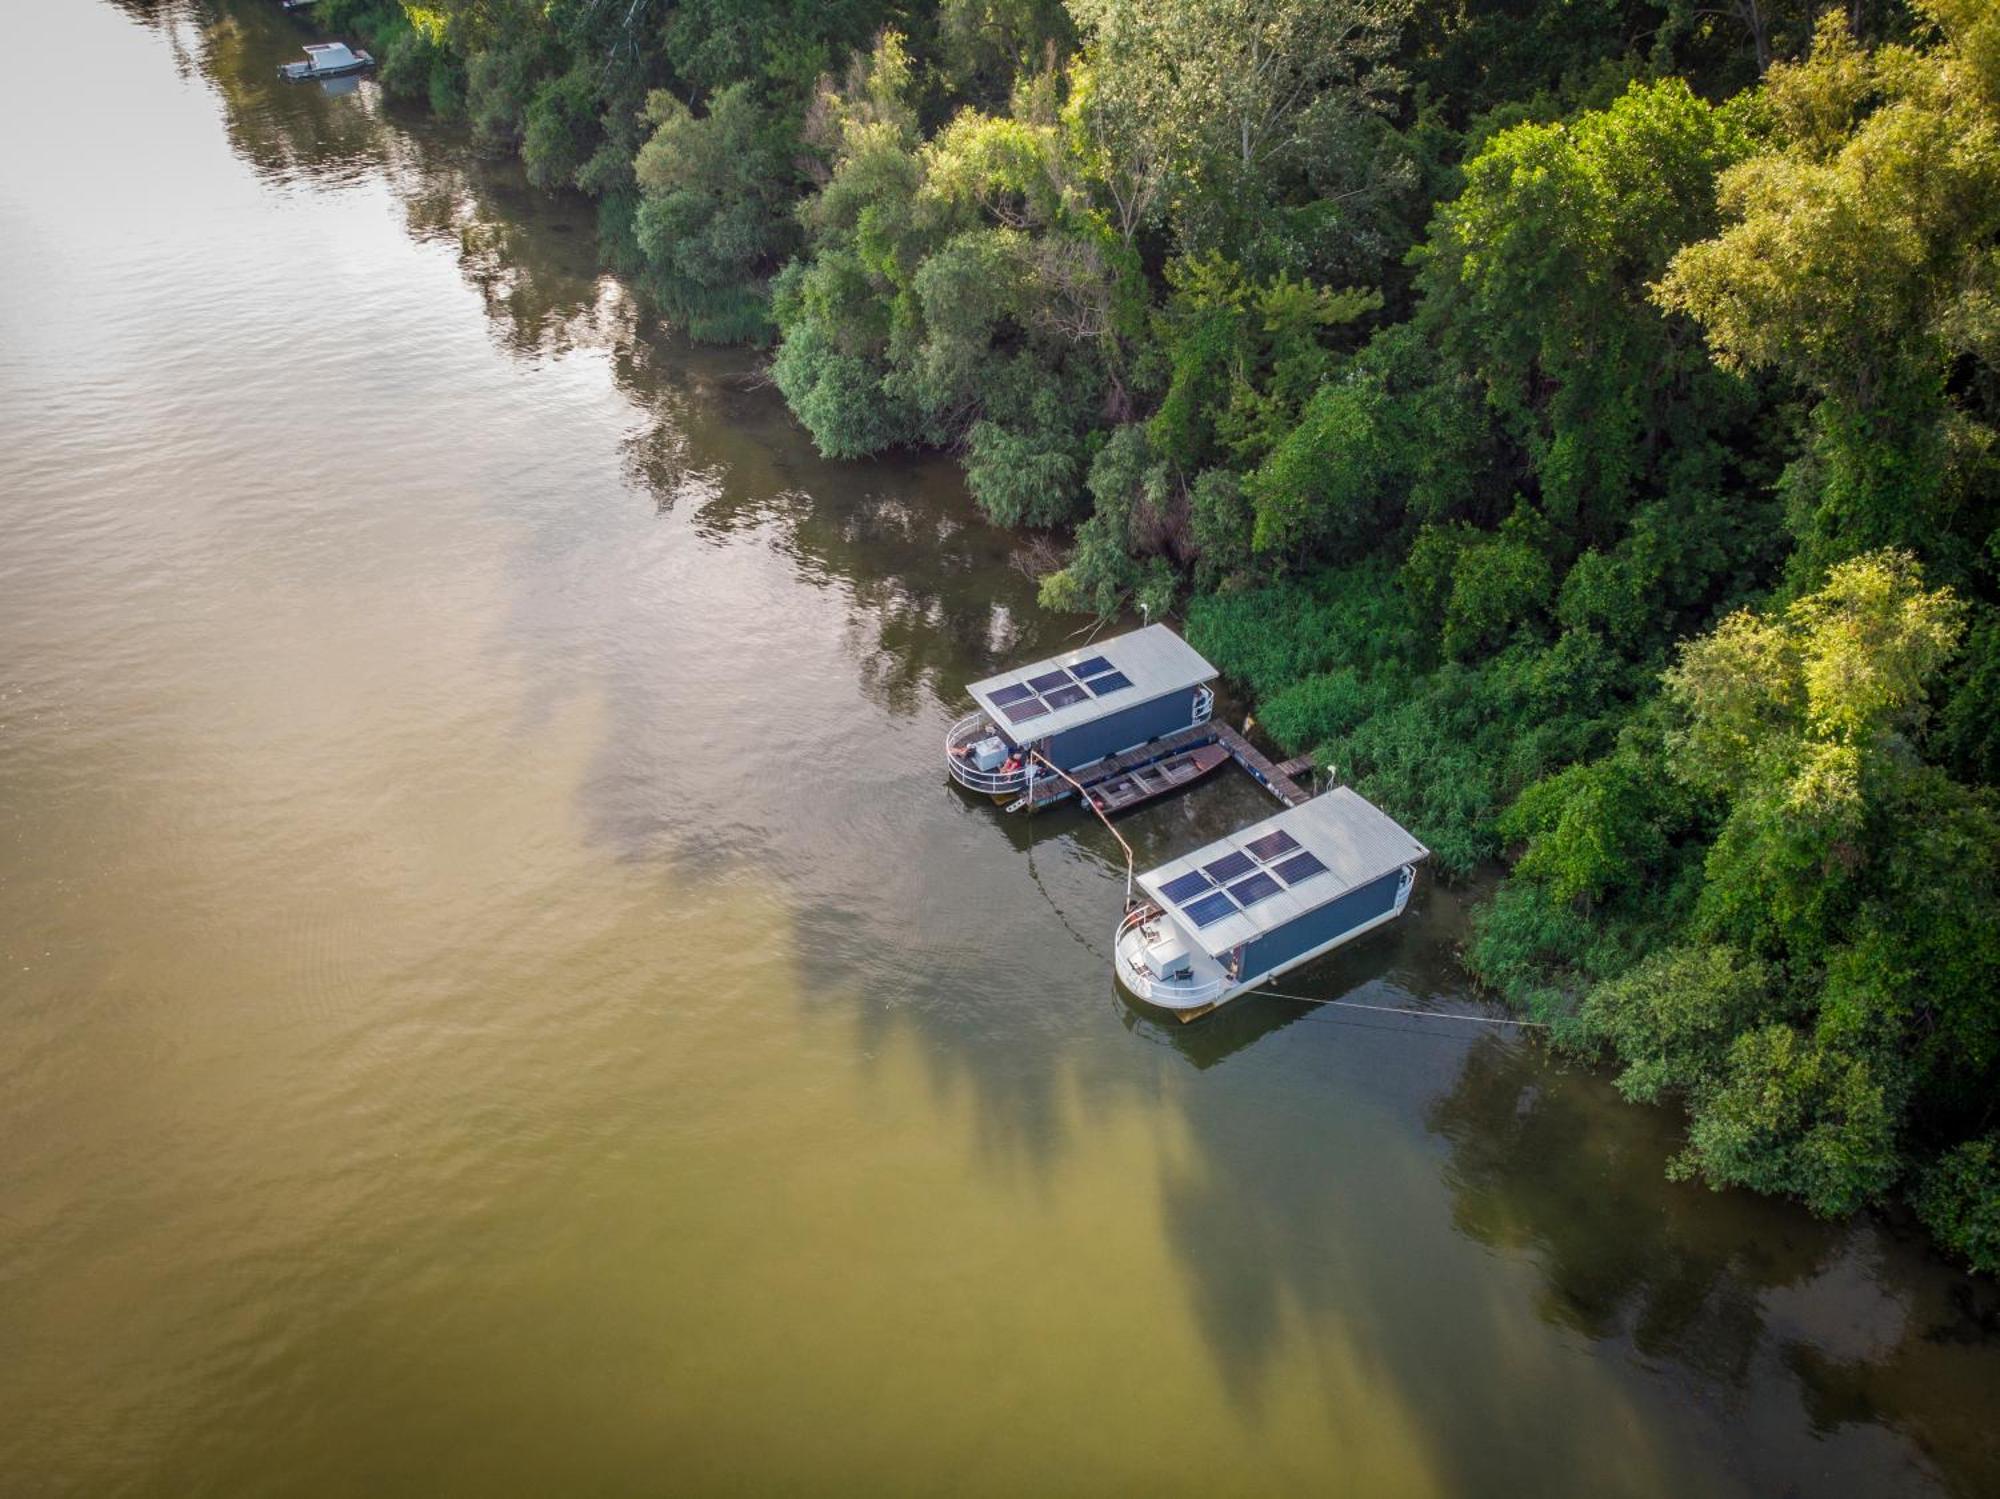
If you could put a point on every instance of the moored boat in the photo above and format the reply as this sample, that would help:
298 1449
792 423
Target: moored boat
1135 788
326 60
1071 711
1258 903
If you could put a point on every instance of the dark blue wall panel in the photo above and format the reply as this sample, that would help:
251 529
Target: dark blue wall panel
1321 925
1122 730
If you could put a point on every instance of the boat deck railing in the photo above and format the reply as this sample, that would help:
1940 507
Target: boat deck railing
1143 981
991 782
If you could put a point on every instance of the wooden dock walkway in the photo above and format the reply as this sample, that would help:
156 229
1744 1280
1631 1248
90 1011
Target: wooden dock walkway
1047 790
1276 779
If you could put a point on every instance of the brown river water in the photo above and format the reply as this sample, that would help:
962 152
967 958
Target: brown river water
497 996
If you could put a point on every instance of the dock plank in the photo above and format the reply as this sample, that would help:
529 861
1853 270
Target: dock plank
1272 777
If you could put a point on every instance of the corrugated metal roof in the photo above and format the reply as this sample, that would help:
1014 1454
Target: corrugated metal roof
1155 660
1356 840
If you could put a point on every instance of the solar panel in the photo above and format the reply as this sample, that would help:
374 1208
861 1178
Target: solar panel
1191 883
1260 886
1095 666
1111 682
1299 867
1210 909
1034 707
1049 679
1011 694
1062 697
1271 845
1228 867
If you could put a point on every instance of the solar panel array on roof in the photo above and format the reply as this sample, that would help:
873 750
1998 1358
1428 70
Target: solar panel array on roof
1195 892
1122 672
1276 871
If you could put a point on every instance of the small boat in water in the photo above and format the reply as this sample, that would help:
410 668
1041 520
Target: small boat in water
1255 905
1074 710
1149 782
326 60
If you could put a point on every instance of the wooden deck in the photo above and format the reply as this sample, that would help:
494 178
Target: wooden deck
1049 789
1276 779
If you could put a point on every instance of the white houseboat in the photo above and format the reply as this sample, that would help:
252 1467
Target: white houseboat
1073 710
1261 901
326 60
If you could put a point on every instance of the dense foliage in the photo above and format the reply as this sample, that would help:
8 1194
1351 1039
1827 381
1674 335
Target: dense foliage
1575 423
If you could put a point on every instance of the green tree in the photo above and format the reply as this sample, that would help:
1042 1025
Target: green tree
1267 117
714 212
1538 272
1856 258
1959 1201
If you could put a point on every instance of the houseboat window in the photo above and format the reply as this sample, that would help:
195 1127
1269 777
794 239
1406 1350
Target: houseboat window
1062 697
1191 883
1117 681
1022 712
1012 694
1260 886
1271 845
1048 680
1303 867
1229 866
1094 667
1210 909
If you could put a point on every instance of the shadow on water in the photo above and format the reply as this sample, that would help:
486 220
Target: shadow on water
1298 1206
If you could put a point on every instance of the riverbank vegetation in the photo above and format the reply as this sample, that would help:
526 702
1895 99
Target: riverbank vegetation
1575 423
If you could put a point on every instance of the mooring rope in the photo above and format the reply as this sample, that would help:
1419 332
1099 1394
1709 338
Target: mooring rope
1355 1004
1131 860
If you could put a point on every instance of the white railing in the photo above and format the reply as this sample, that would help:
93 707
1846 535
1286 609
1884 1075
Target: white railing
1404 886
991 782
1145 983
1204 704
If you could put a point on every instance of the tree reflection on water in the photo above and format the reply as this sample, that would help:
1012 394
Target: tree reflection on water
1554 1166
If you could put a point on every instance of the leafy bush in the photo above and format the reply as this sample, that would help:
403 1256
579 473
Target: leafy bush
838 397
1959 1202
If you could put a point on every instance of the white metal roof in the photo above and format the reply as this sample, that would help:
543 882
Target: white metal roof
329 54
1355 840
1154 659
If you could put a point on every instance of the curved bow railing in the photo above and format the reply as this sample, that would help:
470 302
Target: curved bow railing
991 782
1149 985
